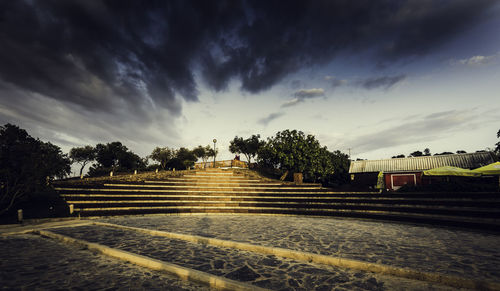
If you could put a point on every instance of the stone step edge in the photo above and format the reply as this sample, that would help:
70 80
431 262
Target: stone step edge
256 186
193 182
227 177
272 197
291 203
216 178
215 282
383 215
449 280
30 225
193 191
214 173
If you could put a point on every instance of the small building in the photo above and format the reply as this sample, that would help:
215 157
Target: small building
398 172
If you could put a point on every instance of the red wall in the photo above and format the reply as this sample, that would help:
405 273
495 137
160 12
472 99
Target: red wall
400 179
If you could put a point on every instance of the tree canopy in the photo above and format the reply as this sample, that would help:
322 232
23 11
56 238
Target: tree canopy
162 155
186 157
293 151
82 156
25 164
248 147
416 154
204 153
115 156
399 156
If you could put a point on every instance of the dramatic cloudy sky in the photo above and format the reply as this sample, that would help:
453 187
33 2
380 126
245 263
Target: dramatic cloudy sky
377 77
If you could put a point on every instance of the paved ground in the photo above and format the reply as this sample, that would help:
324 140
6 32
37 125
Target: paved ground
454 252
30 262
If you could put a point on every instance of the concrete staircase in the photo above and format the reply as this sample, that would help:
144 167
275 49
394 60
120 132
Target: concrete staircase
223 191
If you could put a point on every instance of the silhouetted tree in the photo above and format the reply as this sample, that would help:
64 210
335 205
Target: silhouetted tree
416 154
461 152
25 164
398 156
444 153
82 156
115 156
427 152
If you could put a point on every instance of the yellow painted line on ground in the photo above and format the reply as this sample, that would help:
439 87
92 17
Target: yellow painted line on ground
215 282
449 280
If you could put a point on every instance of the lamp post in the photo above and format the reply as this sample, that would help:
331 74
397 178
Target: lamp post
215 153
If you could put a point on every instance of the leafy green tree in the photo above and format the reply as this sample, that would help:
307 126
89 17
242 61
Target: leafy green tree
291 150
82 156
204 153
341 163
249 147
162 155
25 164
185 157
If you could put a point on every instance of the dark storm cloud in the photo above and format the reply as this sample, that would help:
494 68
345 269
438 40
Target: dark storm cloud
385 82
114 55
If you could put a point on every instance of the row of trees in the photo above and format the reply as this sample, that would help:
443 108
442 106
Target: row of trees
427 152
116 157
291 151
182 158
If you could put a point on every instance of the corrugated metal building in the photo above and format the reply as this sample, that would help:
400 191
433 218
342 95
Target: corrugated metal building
402 171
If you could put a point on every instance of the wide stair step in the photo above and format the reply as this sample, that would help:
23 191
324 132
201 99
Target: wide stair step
219 191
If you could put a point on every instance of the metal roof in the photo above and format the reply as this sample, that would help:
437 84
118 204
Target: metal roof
465 161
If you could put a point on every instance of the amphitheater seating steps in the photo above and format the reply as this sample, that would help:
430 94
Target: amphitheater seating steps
223 191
